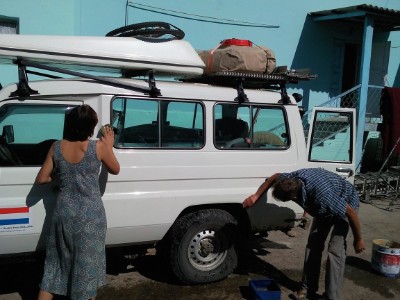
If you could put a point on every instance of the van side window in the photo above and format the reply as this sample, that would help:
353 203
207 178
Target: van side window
28 131
250 127
158 123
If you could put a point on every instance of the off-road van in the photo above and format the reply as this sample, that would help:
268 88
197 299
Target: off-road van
191 150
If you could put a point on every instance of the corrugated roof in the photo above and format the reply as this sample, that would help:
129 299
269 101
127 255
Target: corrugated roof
388 19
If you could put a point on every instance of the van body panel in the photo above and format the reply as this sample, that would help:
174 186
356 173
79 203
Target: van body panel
156 185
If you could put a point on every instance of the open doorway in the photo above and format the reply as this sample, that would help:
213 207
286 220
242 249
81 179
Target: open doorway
351 71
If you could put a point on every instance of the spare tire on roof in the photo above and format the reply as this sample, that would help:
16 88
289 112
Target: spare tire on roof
154 32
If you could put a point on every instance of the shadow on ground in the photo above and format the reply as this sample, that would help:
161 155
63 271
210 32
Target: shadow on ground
162 284
361 273
21 275
151 278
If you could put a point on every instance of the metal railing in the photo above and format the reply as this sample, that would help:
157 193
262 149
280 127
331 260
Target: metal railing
370 184
351 99
373 118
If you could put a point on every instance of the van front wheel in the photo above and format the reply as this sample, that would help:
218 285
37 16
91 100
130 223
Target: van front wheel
202 246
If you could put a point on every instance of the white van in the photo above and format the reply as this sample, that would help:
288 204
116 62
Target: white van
190 150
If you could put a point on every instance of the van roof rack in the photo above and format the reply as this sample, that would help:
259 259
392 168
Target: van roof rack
280 76
23 89
240 80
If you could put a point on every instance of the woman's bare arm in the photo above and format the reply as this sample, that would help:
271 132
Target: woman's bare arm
44 175
105 151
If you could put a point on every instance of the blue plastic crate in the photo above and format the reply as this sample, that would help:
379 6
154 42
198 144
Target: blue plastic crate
265 289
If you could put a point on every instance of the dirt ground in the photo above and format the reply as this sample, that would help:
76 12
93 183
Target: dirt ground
278 257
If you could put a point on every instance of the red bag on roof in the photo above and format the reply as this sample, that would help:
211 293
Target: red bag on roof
236 42
240 56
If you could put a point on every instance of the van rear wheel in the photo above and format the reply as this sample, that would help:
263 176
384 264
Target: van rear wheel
202 246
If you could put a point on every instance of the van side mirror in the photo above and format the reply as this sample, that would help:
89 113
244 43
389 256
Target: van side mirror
8 134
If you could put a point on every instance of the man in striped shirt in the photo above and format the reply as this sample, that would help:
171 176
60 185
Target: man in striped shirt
333 203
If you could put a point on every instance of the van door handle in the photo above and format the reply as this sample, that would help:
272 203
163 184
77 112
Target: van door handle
349 171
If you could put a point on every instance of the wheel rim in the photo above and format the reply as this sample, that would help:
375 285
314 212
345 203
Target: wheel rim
206 250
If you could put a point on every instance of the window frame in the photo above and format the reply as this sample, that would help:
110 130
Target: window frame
251 107
9 20
32 153
160 129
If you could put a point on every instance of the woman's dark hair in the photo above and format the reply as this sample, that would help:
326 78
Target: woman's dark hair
286 189
80 123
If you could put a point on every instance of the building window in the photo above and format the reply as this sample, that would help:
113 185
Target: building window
8 25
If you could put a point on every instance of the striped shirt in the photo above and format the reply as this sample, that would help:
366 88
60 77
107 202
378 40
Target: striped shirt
324 193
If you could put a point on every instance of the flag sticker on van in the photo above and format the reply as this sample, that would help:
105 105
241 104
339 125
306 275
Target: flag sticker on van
14 218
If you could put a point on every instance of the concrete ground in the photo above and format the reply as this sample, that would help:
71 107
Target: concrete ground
278 257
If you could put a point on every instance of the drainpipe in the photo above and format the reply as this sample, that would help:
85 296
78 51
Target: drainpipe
364 81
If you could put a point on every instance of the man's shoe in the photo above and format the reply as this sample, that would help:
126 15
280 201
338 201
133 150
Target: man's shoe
301 294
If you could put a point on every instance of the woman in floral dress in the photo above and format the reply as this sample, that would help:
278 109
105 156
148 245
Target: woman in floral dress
75 264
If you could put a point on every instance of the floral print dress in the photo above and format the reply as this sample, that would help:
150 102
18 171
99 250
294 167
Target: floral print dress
75 263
